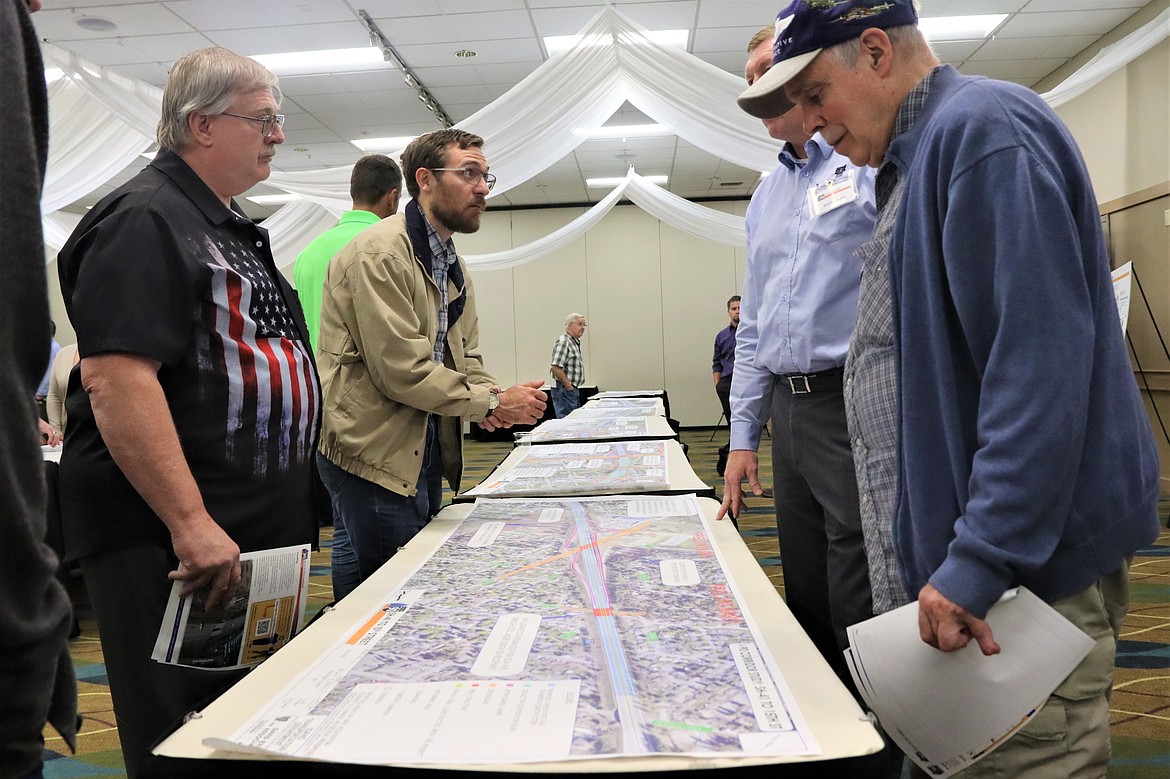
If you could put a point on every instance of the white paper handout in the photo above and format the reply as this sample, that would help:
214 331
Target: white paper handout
1122 284
946 710
267 610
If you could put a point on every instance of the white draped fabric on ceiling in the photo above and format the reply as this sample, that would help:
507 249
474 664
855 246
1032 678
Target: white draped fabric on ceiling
532 126
99 123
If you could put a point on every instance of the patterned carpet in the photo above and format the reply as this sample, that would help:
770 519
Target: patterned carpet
1141 699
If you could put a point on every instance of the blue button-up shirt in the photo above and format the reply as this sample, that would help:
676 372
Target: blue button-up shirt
799 301
723 357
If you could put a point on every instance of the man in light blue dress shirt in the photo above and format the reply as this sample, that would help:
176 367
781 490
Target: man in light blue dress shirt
798 311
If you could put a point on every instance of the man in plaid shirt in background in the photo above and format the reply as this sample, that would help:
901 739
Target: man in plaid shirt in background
568 367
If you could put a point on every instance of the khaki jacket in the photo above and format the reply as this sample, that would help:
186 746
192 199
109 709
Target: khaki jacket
376 360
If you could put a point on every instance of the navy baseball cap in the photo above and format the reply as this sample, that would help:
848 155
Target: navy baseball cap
806 27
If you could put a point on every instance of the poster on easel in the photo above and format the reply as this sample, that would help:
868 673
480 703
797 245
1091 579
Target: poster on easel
1122 281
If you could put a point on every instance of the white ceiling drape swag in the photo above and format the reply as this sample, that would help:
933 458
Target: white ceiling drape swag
1110 59
97 126
532 126
680 213
100 121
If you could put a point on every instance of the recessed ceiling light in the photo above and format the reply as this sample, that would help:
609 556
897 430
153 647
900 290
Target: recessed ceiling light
960 28
95 24
396 143
52 74
303 63
465 53
676 38
613 181
629 131
273 200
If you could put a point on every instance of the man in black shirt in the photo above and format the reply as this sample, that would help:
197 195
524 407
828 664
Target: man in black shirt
195 414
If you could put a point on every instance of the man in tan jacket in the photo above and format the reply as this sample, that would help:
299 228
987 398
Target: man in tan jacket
398 355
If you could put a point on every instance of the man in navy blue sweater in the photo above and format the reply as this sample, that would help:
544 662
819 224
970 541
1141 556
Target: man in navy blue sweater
1026 457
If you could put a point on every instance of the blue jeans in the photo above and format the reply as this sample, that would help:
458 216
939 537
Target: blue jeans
565 400
377 522
342 559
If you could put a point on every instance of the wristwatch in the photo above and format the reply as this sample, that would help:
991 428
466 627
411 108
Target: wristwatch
493 402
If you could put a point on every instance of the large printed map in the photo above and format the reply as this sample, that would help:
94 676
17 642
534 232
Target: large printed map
546 630
590 428
582 469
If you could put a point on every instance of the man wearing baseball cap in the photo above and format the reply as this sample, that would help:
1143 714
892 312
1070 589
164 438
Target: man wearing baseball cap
1025 454
799 307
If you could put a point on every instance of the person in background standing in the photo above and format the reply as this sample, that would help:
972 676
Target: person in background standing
723 358
59 373
42 393
375 185
567 367
374 188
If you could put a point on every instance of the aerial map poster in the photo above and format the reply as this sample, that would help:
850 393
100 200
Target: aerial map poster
582 469
544 630
598 411
586 428
653 405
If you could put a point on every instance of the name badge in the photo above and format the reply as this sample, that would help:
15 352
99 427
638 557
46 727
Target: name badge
833 192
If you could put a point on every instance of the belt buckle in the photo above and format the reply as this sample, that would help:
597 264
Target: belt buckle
799 385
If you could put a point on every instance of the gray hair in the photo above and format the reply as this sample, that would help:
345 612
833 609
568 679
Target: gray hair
207 81
906 36
571 318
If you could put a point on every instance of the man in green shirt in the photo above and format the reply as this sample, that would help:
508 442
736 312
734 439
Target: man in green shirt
374 186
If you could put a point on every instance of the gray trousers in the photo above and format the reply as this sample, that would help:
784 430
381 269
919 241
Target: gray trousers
822 552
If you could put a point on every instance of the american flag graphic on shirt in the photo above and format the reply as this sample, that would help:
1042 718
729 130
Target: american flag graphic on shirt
251 338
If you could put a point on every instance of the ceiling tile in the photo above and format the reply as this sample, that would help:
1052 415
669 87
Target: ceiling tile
253 14
1047 25
140 19
308 37
745 13
724 39
1084 5
956 51
487 52
1031 48
1023 71
465 28
970 7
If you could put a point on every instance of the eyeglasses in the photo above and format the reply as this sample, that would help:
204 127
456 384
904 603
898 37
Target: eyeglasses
472 176
268 123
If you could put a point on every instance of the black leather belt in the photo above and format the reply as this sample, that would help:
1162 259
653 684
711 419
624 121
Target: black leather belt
804 383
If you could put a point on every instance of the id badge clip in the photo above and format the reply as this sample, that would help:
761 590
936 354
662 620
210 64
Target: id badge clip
834 192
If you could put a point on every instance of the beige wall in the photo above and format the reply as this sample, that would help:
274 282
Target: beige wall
653 297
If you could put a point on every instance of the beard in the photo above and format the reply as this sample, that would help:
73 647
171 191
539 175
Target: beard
455 220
